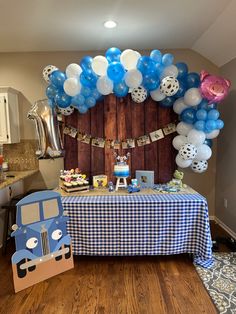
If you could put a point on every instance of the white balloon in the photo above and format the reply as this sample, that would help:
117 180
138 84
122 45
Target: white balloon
188 151
129 59
133 78
192 97
157 95
181 162
169 86
72 86
184 128
179 141
212 134
179 105
73 70
199 166
196 137
204 152
47 71
99 65
170 70
104 85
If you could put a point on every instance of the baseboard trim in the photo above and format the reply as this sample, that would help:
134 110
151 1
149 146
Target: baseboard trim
212 218
226 228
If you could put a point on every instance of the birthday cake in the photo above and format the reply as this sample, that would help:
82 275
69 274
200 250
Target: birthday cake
121 170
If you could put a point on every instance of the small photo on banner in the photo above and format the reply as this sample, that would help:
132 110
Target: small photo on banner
66 130
109 143
128 143
156 135
98 142
84 138
116 144
143 140
170 128
73 132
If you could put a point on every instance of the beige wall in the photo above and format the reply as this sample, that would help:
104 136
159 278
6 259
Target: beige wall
23 71
226 154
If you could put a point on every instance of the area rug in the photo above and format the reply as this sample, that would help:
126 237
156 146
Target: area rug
220 281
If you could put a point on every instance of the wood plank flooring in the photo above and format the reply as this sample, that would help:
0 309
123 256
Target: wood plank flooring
107 285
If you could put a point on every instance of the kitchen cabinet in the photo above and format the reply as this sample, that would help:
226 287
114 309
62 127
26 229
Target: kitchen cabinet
9 116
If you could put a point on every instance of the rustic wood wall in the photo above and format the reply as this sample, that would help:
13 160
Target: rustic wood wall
121 118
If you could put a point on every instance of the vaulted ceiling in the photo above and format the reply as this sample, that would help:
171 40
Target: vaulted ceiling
207 26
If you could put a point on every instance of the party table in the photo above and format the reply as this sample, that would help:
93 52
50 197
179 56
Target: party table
149 223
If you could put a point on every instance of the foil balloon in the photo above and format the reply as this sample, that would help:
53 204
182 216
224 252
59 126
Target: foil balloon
47 129
213 88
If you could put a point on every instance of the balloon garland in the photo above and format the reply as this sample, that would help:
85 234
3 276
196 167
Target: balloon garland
194 97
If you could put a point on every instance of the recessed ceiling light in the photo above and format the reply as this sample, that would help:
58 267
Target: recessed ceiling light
110 24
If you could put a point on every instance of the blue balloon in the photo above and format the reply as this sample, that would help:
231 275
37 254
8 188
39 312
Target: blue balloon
88 80
193 80
78 100
150 81
51 91
121 89
201 114
57 78
51 103
213 114
212 106
219 124
188 115
95 94
85 91
83 109
182 70
167 59
156 55
182 89
113 54
203 104
90 102
115 71
167 102
210 126
146 65
199 125
86 64
159 68
208 142
63 100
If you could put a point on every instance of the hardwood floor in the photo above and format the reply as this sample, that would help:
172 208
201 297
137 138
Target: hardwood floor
161 284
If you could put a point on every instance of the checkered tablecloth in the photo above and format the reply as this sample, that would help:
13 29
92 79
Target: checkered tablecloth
159 224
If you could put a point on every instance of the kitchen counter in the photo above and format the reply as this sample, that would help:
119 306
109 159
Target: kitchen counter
18 175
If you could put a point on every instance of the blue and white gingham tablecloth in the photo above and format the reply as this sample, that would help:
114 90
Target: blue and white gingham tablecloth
158 224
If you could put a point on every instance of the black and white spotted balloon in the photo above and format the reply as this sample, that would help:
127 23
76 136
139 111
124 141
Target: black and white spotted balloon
169 86
47 71
139 94
199 166
66 111
188 151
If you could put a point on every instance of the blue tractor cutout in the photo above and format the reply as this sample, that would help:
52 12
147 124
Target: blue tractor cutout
40 233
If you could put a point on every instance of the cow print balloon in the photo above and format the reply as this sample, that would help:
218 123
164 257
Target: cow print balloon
66 111
169 86
199 166
47 71
188 151
139 94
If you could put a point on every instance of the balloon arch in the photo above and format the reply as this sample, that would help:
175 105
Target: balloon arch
194 97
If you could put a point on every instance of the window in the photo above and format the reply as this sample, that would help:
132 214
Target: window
30 213
50 209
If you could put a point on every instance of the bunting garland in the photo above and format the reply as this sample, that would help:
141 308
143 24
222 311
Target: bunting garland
117 144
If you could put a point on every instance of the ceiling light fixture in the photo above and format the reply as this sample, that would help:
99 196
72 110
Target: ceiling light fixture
110 24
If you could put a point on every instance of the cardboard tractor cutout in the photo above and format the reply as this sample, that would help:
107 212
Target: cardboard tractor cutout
43 247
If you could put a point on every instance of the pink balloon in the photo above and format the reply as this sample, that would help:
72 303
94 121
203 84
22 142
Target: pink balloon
213 88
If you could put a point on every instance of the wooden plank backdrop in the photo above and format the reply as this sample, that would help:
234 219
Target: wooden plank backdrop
121 118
